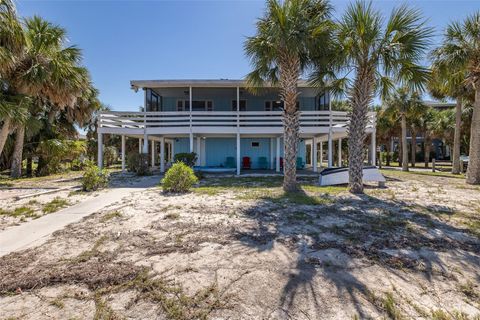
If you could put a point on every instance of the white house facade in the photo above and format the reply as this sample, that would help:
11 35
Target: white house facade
228 126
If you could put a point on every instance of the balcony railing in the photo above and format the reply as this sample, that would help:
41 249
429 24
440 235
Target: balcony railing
243 119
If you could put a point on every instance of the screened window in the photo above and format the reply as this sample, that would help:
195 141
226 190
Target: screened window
243 105
197 105
153 101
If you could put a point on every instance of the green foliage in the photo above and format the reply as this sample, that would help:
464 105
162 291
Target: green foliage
55 205
179 178
189 158
110 155
94 177
54 152
138 163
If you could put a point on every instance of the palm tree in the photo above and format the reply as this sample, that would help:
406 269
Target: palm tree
460 50
445 83
280 52
46 71
12 41
405 106
379 55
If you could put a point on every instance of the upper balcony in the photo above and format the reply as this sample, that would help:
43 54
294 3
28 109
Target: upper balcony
222 122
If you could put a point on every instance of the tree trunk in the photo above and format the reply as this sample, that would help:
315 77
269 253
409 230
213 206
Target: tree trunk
16 168
361 97
4 133
427 146
29 166
456 139
473 171
414 147
400 151
388 149
289 74
404 144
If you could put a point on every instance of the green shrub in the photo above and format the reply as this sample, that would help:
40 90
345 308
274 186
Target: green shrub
189 158
138 163
110 155
179 178
94 177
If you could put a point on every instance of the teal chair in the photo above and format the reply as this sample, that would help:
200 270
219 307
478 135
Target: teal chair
300 163
262 163
230 162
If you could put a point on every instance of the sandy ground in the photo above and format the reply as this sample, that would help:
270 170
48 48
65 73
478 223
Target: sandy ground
28 197
237 248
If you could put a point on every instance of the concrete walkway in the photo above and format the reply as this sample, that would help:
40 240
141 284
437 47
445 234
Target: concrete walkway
36 232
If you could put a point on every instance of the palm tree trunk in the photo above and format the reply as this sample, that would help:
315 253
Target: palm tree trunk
473 171
4 133
400 151
16 168
456 139
289 74
360 99
414 147
404 143
427 146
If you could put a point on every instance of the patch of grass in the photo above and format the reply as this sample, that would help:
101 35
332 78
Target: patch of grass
454 315
111 215
423 173
102 310
172 216
20 212
391 307
88 254
468 289
209 191
57 303
56 204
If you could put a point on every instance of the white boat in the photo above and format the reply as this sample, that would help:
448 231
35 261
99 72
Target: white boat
335 176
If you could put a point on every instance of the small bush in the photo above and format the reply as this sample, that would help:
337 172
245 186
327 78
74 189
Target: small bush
138 163
179 178
111 155
94 178
189 158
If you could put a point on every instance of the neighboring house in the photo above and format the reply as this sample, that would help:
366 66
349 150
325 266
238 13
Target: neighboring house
224 123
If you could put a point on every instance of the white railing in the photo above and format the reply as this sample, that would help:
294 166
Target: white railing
140 120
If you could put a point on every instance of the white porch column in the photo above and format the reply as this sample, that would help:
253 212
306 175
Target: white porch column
153 153
191 142
277 158
238 154
272 154
315 155
199 149
100 150
162 154
123 153
145 144
330 150
140 145
339 152
373 146
321 154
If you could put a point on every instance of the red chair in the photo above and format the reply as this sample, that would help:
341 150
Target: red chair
246 163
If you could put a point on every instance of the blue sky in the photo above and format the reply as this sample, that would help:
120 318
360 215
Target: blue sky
127 40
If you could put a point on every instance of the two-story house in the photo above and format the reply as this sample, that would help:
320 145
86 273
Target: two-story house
226 125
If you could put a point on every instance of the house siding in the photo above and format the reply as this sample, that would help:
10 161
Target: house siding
218 149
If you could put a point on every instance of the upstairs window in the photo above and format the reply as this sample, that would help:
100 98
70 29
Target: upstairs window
197 105
276 105
153 101
243 105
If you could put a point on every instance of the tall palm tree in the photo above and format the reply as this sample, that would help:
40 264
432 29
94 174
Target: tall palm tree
379 55
405 105
48 72
446 83
12 41
460 50
280 52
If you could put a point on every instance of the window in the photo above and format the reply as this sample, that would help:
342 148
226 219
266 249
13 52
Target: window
153 101
273 105
323 102
243 105
255 144
197 105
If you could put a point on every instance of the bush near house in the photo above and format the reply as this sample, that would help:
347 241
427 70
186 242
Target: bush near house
189 158
110 155
138 163
94 177
179 178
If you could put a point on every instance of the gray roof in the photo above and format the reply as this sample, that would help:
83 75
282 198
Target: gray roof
203 83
